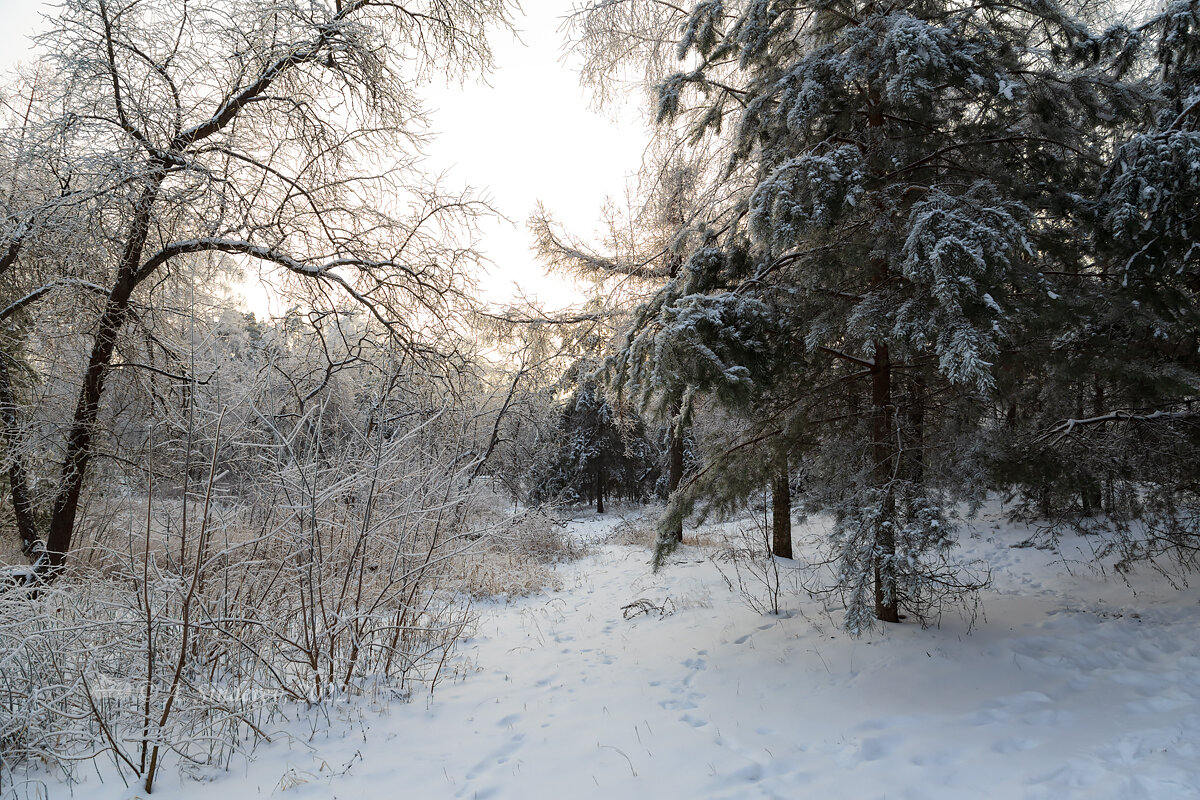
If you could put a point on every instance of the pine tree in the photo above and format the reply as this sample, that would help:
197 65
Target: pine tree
602 454
1102 422
643 252
902 176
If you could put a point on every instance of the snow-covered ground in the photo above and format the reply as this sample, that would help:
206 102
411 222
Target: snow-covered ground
1073 685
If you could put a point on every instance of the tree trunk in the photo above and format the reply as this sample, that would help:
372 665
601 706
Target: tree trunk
675 453
79 443
886 605
781 512
599 491
1093 489
18 477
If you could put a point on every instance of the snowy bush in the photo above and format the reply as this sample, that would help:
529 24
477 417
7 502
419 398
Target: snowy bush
185 638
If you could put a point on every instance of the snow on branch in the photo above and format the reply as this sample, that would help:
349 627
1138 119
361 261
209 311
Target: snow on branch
559 251
1067 427
324 272
45 289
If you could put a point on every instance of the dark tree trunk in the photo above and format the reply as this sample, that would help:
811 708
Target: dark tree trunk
18 476
1093 489
599 491
675 453
82 434
781 512
1087 484
886 605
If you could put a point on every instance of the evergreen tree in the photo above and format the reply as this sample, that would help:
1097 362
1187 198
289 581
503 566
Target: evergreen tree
602 454
644 251
902 177
1102 419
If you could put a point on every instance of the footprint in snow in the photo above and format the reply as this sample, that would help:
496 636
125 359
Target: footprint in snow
499 756
940 758
873 749
750 773
1014 744
676 705
1021 700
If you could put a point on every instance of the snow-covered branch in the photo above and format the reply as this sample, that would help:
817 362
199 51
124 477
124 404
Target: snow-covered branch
1068 426
42 291
322 272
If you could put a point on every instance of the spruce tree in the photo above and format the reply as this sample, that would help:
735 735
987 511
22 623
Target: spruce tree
902 176
601 454
1100 431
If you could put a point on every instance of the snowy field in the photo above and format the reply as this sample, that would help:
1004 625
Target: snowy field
1072 686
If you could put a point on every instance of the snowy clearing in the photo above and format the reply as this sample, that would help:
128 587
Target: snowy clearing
1073 685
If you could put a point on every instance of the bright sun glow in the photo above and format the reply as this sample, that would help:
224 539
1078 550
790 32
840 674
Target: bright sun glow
525 133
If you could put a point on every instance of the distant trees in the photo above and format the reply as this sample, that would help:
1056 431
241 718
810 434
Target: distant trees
921 208
157 133
601 454
643 253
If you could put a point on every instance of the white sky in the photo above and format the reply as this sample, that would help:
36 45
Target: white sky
527 134
18 19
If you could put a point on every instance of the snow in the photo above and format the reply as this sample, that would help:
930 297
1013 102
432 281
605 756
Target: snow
1074 685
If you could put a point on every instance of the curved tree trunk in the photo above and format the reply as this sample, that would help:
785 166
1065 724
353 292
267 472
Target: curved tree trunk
81 437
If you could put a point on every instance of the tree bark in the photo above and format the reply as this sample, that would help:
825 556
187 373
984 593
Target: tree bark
18 476
1092 492
600 491
80 439
886 604
781 512
675 455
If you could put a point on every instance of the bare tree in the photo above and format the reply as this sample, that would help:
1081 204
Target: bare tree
283 134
